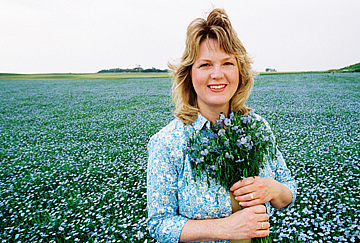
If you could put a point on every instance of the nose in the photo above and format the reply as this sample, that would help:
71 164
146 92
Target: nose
217 73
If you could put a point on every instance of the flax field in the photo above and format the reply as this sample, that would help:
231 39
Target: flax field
73 156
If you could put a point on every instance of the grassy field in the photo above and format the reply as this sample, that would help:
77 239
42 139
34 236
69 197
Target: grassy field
79 76
73 155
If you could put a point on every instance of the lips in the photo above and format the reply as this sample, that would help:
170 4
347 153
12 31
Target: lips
217 87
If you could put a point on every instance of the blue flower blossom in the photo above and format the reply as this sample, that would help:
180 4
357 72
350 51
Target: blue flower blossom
232 115
229 156
221 132
243 140
205 140
253 125
227 122
242 130
204 152
235 128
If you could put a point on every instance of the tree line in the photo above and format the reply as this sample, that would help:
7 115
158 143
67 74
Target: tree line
137 69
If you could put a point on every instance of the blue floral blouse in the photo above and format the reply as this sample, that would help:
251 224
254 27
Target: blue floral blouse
173 197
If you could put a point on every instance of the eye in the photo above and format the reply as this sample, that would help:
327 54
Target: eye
229 64
204 65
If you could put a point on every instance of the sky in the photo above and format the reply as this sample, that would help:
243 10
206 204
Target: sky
86 36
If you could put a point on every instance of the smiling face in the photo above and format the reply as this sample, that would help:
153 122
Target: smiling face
215 77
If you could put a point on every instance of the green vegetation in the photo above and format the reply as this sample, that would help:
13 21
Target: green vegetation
348 69
80 76
73 155
138 69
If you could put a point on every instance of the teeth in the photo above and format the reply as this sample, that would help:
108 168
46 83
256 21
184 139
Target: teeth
217 86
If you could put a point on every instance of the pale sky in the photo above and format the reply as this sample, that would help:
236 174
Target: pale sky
85 36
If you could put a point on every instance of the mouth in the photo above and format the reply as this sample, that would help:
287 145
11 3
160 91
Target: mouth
217 87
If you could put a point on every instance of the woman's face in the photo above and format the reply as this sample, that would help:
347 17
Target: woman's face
215 77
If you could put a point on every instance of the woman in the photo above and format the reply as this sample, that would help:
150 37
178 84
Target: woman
213 77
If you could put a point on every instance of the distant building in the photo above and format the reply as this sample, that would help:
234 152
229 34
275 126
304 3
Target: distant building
270 70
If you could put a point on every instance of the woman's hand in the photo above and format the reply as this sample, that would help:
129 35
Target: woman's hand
248 223
257 190
244 224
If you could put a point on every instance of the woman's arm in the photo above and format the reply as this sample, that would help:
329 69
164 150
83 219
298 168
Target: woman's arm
164 221
245 224
259 190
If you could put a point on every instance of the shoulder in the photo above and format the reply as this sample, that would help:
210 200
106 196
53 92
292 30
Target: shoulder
261 119
166 147
266 125
169 134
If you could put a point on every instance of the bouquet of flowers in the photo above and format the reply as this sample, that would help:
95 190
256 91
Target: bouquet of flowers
234 149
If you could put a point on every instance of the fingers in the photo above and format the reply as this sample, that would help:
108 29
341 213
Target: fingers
247 197
263 229
253 191
258 209
258 222
250 199
242 183
251 203
261 233
263 225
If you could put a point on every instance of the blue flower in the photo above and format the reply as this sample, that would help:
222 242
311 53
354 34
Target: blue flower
246 119
204 152
198 161
205 140
242 130
221 132
213 167
253 125
227 122
229 156
243 140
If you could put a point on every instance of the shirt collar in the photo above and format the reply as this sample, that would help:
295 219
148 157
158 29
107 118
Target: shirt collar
201 122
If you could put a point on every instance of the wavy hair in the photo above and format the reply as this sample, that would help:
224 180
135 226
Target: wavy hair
216 26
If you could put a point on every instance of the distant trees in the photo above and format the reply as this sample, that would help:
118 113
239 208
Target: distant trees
137 69
270 70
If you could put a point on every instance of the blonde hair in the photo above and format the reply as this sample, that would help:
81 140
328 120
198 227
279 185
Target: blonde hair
216 26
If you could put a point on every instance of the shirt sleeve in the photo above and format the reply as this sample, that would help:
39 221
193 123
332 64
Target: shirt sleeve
164 222
283 175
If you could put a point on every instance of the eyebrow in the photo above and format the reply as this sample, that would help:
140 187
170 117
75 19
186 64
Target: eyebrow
209 60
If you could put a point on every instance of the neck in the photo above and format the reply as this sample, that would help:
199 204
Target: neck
213 114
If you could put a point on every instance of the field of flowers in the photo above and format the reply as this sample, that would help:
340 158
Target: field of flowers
73 156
